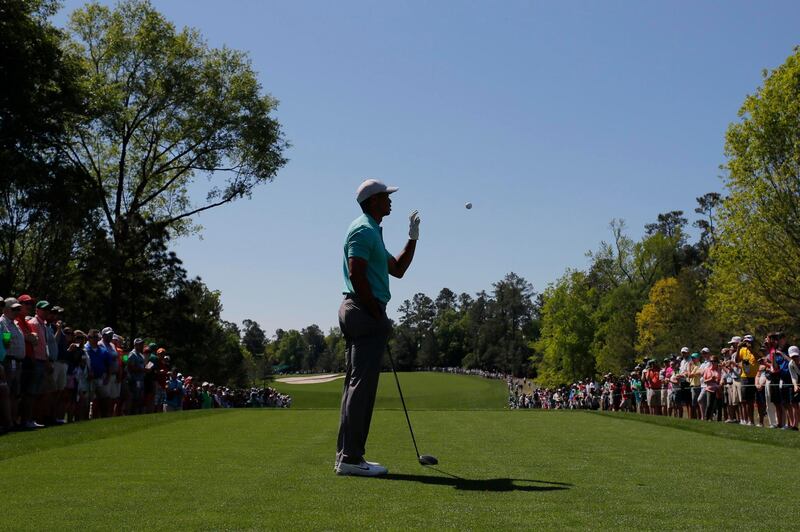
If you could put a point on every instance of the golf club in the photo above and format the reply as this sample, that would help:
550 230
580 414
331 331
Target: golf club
424 459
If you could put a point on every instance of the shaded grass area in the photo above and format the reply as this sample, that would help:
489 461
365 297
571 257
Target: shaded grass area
422 391
20 443
765 436
272 469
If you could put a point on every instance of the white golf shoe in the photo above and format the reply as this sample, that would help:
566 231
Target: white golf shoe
364 469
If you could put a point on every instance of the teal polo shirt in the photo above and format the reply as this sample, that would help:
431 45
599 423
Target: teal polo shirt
365 241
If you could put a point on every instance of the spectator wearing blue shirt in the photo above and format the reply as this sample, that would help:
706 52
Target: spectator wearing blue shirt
174 394
136 366
99 373
780 362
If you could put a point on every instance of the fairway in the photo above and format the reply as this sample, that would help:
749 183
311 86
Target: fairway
272 469
422 391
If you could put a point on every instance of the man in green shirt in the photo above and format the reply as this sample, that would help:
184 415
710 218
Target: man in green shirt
362 318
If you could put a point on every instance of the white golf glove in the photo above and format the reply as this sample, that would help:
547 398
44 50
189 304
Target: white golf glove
413 225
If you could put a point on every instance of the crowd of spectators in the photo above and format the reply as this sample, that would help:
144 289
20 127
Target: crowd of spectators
749 383
51 374
486 374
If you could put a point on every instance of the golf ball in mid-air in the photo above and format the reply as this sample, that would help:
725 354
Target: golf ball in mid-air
468 205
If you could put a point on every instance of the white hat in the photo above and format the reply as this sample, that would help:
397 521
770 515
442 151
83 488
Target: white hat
107 330
748 338
370 187
735 340
705 350
684 349
794 351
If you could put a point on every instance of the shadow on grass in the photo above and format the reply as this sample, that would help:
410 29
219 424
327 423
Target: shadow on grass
488 484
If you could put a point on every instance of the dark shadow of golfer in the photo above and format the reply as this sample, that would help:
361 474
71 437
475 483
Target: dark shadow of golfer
488 484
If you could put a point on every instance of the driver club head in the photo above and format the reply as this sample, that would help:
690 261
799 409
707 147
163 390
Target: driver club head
426 459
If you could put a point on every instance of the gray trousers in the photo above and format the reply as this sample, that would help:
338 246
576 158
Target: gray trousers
365 339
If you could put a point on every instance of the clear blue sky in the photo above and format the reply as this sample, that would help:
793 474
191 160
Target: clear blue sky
551 117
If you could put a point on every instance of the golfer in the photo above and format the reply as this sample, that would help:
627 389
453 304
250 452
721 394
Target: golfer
362 318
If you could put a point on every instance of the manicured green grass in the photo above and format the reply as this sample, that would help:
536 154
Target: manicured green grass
766 436
422 391
272 469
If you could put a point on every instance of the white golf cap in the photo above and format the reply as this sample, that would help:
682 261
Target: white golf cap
735 340
370 187
794 351
705 350
684 349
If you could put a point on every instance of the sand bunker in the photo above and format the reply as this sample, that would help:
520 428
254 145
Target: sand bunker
311 379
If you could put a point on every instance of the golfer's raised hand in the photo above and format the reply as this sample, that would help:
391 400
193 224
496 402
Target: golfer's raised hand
413 225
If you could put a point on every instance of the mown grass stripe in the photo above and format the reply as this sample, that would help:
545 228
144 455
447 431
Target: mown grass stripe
774 437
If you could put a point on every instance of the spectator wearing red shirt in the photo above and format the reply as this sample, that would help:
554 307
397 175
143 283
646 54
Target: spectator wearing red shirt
32 374
43 404
653 384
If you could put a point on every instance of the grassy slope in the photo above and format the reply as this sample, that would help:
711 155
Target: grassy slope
422 391
272 469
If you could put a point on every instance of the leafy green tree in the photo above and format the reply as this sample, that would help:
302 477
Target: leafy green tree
163 109
254 339
669 224
755 282
707 206
42 210
197 339
333 356
673 316
291 350
414 333
446 300
477 343
314 339
512 312
567 331
615 334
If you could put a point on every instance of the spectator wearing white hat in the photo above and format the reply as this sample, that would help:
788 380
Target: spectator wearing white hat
114 385
136 371
99 375
749 364
735 396
683 393
794 372
702 400
174 392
